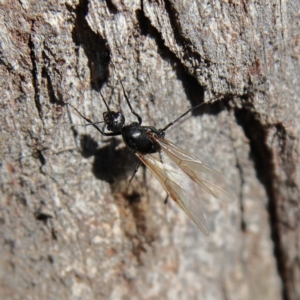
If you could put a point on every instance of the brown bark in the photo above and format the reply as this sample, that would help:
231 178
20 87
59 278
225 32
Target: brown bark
69 228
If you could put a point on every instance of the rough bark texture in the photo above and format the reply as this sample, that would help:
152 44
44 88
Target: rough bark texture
69 228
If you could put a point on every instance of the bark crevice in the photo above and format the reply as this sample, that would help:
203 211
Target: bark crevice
262 157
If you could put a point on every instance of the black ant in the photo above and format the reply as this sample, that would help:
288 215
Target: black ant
145 141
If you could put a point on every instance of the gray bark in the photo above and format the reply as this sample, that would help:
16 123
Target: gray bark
69 227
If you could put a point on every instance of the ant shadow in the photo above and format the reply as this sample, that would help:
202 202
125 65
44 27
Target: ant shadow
112 163
115 165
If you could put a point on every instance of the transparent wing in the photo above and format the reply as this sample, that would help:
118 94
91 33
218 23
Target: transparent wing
176 184
210 180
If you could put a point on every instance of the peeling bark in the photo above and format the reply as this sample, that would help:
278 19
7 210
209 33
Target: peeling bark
69 227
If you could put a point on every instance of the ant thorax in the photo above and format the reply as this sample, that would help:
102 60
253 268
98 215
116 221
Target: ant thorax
136 137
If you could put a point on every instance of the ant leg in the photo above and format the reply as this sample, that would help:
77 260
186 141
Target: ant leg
161 158
131 109
180 117
95 126
134 172
162 161
166 199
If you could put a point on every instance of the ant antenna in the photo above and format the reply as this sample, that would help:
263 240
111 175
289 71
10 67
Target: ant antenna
94 124
140 119
88 120
131 109
127 100
104 102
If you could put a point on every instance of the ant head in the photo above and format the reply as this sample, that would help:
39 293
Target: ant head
114 120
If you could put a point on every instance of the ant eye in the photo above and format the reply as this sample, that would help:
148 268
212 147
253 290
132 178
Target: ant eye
114 120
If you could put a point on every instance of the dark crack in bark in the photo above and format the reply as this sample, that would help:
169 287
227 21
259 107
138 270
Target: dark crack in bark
262 156
35 75
193 90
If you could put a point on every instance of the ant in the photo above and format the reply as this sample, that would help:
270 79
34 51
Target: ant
146 141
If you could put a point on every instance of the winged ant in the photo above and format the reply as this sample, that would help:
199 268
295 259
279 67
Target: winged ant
146 141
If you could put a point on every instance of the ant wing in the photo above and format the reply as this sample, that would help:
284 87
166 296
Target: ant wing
175 183
210 180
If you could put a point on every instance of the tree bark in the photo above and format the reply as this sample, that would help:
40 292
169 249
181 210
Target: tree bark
70 227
